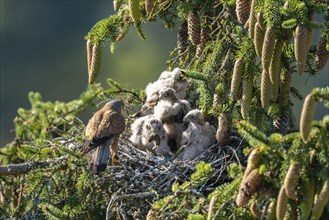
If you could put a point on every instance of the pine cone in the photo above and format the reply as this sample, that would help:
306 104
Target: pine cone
269 212
322 54
89 47
259 39
247 85
254 210
291 180
134 10
308 190
281 125
204 38
182 37
252 20
301 47
253 161
285 88
274 69
310 33
323 199
242 10
96 62
268 47
223 130
306 117
205 31
194 28
248 187
236 78
281 204
149 5
265 89
117 4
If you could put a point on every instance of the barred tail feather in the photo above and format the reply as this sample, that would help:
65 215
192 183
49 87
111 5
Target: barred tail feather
100 157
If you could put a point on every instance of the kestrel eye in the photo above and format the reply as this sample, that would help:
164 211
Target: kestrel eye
192 116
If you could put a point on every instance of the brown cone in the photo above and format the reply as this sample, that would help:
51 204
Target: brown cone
224 128
149 5
95 63
182 36
242 10
301 47
194 28
322 54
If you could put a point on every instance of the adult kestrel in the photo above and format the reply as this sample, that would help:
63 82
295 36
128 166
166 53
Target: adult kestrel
103 131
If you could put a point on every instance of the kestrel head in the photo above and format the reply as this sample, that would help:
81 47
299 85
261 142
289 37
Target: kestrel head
167 94
154 126
115 105
178 74
194 116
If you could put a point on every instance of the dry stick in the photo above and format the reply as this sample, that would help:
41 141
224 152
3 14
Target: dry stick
23 168
115 197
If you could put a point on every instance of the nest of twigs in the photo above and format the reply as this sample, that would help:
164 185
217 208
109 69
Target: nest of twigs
142 178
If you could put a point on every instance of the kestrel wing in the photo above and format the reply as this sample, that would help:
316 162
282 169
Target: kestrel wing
92 126
112 123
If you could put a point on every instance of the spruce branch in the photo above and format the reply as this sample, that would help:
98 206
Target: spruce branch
23 168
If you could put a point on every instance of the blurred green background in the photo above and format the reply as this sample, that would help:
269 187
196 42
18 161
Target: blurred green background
43 50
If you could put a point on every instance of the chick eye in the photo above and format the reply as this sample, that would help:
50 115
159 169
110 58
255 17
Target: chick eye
191 116
148 127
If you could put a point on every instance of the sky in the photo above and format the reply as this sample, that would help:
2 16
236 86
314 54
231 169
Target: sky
43 50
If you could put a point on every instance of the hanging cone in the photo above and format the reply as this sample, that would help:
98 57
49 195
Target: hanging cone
275 69
194 28
248 187
247 85
308 189
265 89
291 179
236 78
268 47
281 204
301 47
89 48
182 36
149 5
134 10
306 117
322 54
253 161
252 20
117 4
242 10
285 88
95 63
275 65
259 39
321 202
310 33
223 130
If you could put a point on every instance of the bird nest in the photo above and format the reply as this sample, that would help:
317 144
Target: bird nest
142 178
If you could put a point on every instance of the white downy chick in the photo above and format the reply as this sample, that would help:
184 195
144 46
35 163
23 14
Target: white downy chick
171 111
198 137
154 138
137 129
174 79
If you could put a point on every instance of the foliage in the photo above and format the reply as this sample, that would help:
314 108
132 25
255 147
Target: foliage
51 130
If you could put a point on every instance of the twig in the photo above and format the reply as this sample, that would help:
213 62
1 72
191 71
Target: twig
23 168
